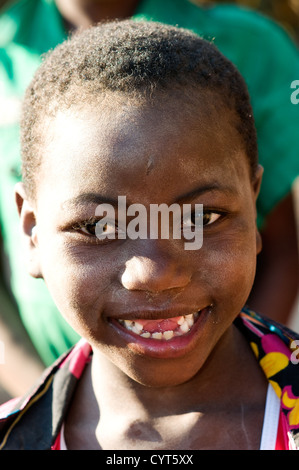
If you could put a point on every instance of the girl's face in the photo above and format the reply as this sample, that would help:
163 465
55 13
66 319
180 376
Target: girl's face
173 152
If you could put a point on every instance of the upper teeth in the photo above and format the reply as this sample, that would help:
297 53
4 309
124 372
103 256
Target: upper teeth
184 323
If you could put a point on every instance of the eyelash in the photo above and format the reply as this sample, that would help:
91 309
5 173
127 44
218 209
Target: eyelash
93 221
86 223
211 213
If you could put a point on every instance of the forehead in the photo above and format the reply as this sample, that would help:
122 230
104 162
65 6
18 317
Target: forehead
117 141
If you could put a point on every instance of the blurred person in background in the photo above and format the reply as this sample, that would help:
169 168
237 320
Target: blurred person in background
285 12
267 58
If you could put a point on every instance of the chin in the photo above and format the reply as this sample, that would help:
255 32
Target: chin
162 375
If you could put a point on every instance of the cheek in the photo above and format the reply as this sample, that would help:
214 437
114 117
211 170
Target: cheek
78 283
230 264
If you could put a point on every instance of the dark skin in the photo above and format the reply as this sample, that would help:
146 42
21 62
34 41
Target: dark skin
276 286
186 397
213 417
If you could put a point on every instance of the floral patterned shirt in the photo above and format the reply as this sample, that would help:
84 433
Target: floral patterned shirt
34 421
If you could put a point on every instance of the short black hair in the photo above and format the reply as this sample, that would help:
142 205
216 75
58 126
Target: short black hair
135 58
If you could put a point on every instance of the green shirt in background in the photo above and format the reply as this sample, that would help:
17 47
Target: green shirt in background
260 49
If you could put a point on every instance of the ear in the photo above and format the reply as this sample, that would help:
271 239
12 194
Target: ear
28 231
256 185
257 181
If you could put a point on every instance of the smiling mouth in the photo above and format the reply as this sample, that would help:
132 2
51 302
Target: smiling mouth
165 338
161 329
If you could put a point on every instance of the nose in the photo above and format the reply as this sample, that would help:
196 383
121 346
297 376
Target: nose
155 272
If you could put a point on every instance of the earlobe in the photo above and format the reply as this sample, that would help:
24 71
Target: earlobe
28 231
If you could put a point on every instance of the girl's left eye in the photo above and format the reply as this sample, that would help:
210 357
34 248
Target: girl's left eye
208 218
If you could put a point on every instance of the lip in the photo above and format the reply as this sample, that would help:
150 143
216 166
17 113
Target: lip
162 349
155 313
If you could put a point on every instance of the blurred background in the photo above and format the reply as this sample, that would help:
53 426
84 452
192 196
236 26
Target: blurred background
286 12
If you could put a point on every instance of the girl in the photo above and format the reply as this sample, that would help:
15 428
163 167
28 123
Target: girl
169 356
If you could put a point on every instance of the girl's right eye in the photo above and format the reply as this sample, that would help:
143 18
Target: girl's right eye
89 229
105 230
96 229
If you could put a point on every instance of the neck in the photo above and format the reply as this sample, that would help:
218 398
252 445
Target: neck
84 13
231 362
117 412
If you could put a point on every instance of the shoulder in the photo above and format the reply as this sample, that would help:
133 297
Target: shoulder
13 17
33 421
276 349
255 43
241 33
267 337
247 22
36 25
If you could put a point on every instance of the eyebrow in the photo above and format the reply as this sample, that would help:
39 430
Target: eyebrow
209 187
95 198
89 198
